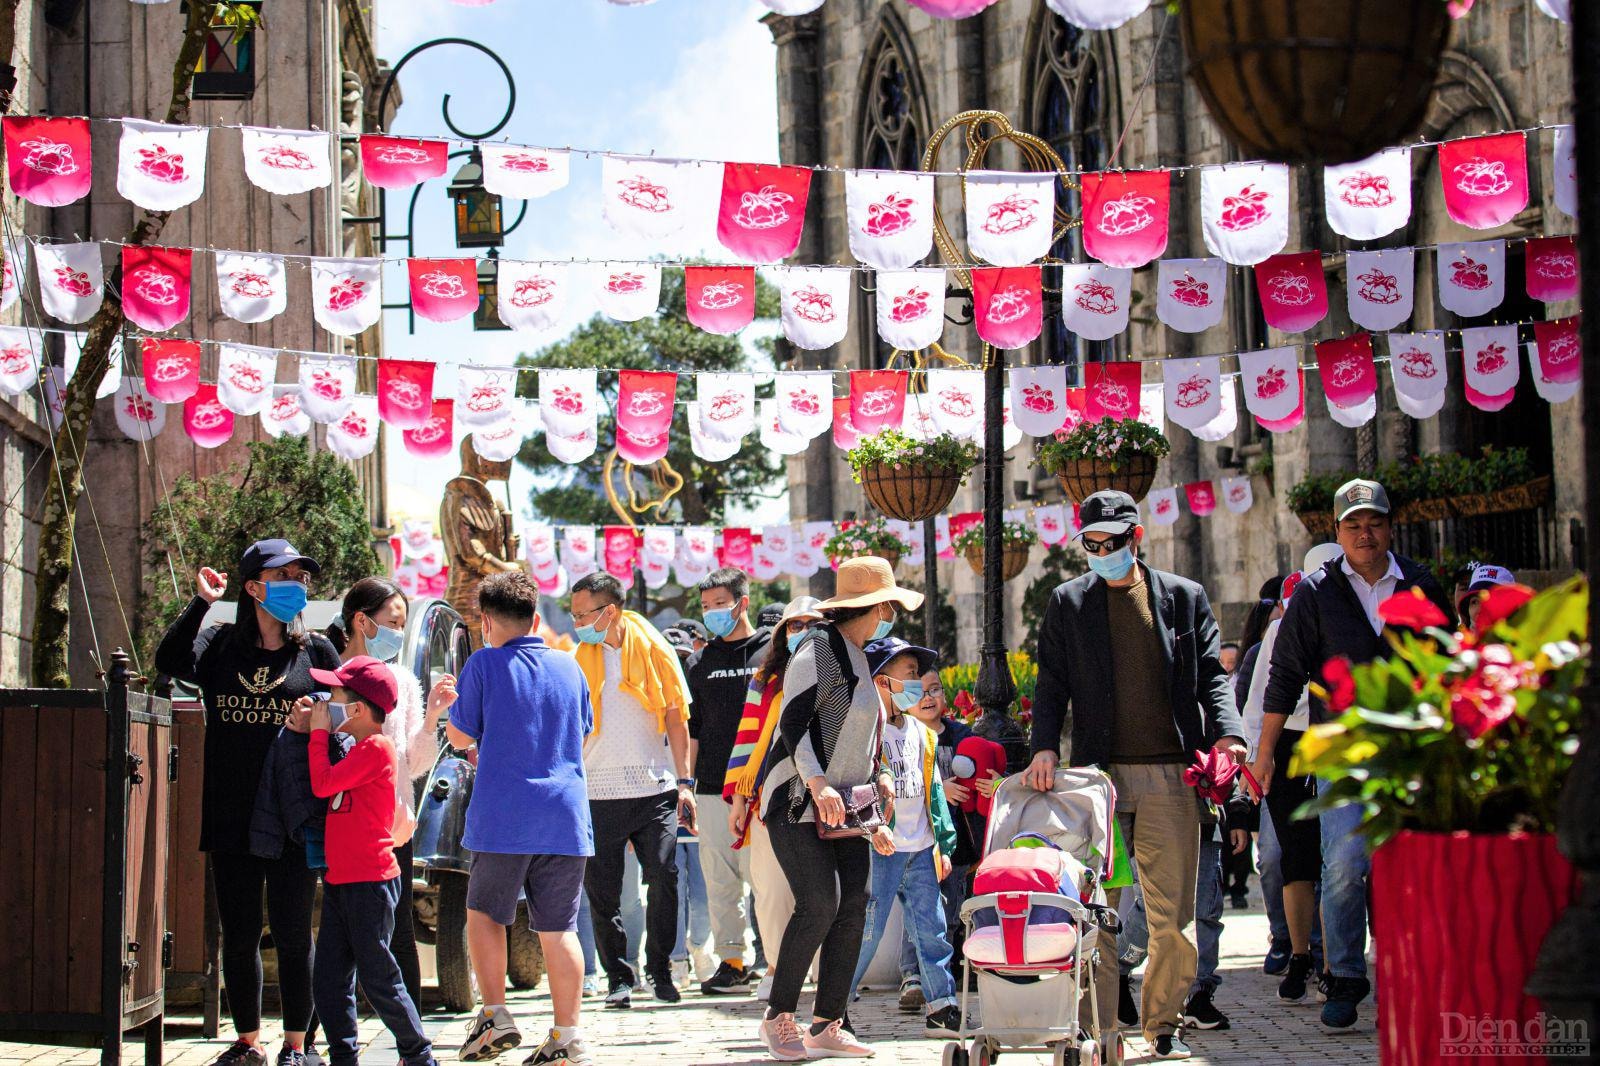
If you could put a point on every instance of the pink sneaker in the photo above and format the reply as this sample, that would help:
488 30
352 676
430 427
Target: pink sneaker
834 1042
782 1037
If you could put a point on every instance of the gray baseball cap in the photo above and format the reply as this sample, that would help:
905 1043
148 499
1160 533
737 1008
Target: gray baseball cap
1359 495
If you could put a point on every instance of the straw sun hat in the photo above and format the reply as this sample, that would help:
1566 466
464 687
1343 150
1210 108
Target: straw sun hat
867 581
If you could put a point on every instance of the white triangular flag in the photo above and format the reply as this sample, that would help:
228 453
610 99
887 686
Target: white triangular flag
287 162
252 288
161 167
71 280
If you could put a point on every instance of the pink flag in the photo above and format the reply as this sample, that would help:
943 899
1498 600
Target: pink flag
1560 350
644 404
401 162
1244 210
763 210
1111 390
405 392
155 285
71 279
1552 269
844 431
434 436
1202 496
171 369
1008 305
960 523
208 423
951 9
1039 398
1293 291
877 400
1485 178
48 159
443 290
1349 377
1489 354
1125 216
621 549
720 300
737 547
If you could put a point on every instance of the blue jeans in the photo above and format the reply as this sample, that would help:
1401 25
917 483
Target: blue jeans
632 908
353 941
954 891
1345 865
1133 943
586 934
1208 916
912 878
694 912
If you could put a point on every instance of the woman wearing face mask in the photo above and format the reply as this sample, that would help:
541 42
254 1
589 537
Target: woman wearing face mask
373 622
250 674
828 744
741 787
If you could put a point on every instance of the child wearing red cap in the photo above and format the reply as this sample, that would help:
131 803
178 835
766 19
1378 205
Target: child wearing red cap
362 884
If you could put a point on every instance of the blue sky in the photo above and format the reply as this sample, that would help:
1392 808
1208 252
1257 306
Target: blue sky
677 77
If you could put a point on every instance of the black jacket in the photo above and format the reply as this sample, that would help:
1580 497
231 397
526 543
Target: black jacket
1325 620
285 805
719 679
1074 690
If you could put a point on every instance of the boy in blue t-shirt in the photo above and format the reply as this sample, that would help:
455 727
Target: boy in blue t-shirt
526 707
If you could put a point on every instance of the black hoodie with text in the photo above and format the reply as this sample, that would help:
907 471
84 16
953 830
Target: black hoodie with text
719 676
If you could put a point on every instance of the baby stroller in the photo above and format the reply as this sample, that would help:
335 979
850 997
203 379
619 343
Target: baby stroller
1034 923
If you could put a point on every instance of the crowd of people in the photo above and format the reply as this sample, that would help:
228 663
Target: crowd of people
753 795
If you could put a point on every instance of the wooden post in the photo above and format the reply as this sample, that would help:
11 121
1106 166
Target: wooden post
113 934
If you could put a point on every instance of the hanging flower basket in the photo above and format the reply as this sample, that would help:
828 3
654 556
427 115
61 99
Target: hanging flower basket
1112 453
911 479
1299 82
1017 538
871 536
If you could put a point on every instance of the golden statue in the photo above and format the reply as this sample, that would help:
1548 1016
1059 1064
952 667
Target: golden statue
479 538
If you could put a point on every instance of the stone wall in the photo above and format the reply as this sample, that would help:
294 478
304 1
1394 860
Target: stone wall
1509 66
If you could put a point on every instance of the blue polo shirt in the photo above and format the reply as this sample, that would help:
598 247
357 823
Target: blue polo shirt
528 708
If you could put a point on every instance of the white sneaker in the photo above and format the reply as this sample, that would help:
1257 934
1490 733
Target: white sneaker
764 989
492 1031
705 964
680 973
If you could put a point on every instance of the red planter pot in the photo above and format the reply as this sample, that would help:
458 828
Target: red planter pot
1458 919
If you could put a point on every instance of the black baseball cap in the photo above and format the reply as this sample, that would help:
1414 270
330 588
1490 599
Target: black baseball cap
691 627
681 642
880 652
770 615
271 554
1108 511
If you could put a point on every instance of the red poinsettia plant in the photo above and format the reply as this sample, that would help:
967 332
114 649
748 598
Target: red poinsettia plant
1467 730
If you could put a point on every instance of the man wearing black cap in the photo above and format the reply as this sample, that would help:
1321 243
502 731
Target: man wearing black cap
1130 672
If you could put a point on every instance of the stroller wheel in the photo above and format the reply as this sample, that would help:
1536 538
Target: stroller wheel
954 1055
1088 1054
981 1052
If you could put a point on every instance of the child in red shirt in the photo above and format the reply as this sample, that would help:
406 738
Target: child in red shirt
362 884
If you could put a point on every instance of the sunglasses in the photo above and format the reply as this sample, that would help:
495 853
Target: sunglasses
1107 546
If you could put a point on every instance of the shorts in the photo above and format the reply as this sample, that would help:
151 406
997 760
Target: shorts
1299 839
552 884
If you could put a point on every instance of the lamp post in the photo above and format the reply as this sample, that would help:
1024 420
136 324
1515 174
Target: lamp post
227 67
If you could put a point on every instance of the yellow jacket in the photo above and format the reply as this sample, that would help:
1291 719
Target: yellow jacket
650 671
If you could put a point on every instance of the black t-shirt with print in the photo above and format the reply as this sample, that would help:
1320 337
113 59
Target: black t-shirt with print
248 692
719 677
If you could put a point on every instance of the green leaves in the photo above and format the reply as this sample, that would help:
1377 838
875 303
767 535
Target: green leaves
1116 440
894 448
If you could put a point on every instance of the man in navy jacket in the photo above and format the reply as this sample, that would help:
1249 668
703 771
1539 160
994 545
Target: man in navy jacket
1334 613
1130 669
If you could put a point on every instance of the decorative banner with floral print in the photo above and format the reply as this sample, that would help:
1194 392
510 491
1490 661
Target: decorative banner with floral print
1293 291
484 395
1226 421
1551 268
577 551
774 437
346 294
1190 293
161 167
1039 398
19 359
532 297
1472 277
956 401
287 162
138 415
1273 387
245 377
1489 356
1193 390
1202 497
1010 217
628 292
890 217
500 442
1125 216
1563 167
1237 494
621 549
727 405
1050 522
1111 390
48 159
405 392
737 547
207 422
355 433
328 387
14 271
815 305
71 280
401 162
155 286
1485 179
1244 211
1164 506
251 288
720 300
1556 358
1095 299
650 199
569 402
910 308
171 368
1008 305
1420 373
284 417
1379 287
702 443
877 400
523 173
804 402
644 402
762 210
1349 379
443 290
1369 198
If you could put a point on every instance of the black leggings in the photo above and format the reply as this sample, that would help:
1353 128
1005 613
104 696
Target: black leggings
1300 840
290 889
831 882
403 945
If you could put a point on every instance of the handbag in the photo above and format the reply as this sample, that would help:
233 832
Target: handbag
863 814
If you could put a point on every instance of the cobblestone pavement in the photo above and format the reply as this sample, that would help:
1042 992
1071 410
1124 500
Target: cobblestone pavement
702 1031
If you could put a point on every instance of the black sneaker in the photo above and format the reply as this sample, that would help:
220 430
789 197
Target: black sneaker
664 989
1344 993
1324 986
1239 900
944 1022
1170 1046
242 1053
1292 989
620 997
1201 1013
1127 1008
291 1056
1277 960
728 980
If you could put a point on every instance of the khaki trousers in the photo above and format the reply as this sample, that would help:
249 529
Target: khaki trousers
774 899
1160 820
727 872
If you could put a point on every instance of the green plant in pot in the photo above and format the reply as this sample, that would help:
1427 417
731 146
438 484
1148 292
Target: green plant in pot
867 536
911 479
1109 454
1015 537
1456 747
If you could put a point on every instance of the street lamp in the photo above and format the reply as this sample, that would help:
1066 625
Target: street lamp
227 66
478 216
487 316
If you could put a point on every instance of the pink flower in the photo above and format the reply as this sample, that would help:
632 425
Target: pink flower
1458 8
1477 708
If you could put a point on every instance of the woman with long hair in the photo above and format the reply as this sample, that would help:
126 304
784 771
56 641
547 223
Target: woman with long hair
372 621
250 673
742 786
828 744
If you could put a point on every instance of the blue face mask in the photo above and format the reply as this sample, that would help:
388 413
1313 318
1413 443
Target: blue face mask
909 696
721 621
337 713
590 634
384 645
1113 567
284 600
885 627
795 639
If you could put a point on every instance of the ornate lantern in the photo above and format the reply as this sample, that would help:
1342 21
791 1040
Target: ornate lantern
227 66
487 316
478 217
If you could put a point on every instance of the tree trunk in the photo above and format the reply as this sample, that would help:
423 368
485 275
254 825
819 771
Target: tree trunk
53 588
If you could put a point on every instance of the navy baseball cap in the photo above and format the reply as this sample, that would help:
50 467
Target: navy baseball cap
681 642
880 652
1108 511
271 554
691 627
